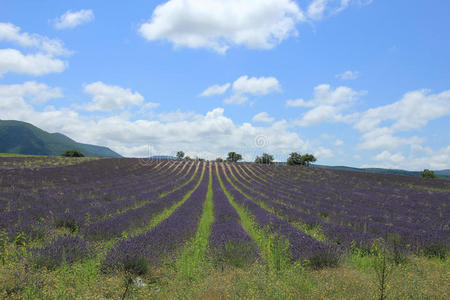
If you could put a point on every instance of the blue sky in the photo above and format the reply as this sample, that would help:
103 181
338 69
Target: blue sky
356 82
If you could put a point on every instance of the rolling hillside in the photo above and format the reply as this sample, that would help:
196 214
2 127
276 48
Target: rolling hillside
24 138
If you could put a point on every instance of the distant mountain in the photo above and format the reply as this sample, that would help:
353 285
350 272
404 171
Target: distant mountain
24 138
442 173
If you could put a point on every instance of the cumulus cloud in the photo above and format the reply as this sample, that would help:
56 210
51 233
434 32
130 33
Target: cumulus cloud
176 116
263 117
110 97
327 105
219 25
215 90
348 75
73 19
413 111
300 103
37 93
256 86
15 98
209 135
12 60
434 160
42 62
323 153
386 156
52 47
244 87
236 99
384 138
316 9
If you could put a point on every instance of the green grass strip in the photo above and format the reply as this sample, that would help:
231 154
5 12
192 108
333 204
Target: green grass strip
192 263
274 250
89 268
168 211
181 185
315 231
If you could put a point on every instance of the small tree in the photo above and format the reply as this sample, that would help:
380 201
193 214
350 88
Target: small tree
234 157
219 159
307 159
187 158
264 159
180 155
72 153
294 159
428 174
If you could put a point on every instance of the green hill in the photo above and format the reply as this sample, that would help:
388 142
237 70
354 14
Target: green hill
24 138
441 174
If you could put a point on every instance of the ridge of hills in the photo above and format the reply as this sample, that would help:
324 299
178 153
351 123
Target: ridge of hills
24 138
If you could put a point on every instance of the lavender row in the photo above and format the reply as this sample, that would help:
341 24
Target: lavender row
228 240
301 245
162 240
140 217
70 215
368 222
336 234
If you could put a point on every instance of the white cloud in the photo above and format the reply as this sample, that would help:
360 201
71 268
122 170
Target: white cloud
209 135
327 104
384 138
73 19
348 75
413 111
338 142
215 90
236 99
263 117
40 63
256 86
323 153
219 25
13 97
434 160
110 97
300 103
316 9
176 116
387 156
12 60
51 47
243 87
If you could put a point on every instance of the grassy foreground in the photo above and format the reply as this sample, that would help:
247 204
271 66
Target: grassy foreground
355 278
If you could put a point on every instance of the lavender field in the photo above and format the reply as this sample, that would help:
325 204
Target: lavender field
77 230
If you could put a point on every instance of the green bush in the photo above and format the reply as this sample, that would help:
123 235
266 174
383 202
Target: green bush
72 153
428 174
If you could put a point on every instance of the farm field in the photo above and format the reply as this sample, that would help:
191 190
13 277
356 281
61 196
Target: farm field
146 229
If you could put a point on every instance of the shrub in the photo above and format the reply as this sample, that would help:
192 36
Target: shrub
136 265
72 153
325 258
428 174
439 250
62 250
234 254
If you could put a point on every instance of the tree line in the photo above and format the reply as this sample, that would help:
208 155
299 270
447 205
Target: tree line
295 158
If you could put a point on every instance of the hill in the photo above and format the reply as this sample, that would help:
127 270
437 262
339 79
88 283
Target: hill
24 138
441 174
